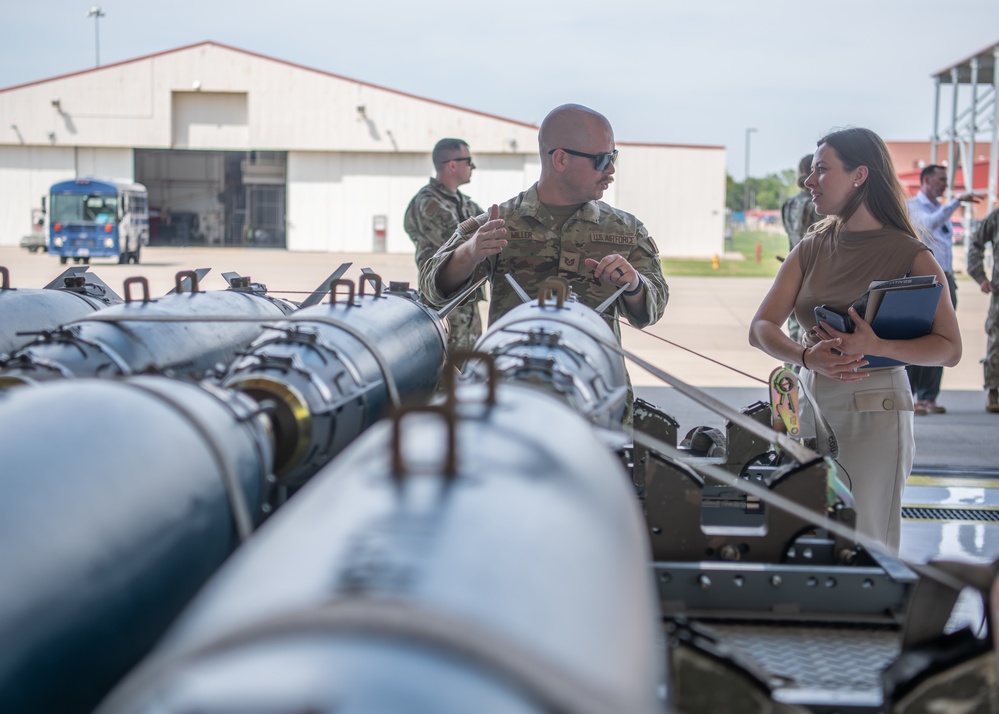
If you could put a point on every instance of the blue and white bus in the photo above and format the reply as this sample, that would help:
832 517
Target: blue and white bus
98 218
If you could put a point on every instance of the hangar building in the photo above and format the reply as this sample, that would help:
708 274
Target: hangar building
240 149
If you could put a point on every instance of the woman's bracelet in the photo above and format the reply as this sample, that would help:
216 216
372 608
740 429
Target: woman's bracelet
633 293
803 351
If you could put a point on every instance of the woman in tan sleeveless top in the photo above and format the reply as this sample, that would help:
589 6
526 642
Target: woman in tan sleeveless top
865 236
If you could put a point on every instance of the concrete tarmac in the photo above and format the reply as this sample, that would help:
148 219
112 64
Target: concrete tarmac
701 340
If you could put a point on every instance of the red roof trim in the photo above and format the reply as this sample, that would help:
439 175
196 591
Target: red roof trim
327 74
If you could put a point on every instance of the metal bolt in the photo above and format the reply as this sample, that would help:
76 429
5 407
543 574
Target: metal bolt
776 581
739 581
704 581
729 552
830 582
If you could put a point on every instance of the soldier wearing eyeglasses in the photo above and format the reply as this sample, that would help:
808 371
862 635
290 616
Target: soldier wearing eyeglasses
558 227
431 219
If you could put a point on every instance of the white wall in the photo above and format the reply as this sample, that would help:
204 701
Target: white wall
333 197
678 193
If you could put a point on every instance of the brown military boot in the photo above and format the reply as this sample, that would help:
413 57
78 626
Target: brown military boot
992 405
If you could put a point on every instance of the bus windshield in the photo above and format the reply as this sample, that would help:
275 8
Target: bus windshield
83 208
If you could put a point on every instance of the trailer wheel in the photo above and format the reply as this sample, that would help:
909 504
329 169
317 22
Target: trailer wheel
63 259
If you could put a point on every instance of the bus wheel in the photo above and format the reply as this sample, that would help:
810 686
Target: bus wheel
63 259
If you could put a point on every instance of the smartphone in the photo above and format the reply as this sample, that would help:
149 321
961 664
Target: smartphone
836 320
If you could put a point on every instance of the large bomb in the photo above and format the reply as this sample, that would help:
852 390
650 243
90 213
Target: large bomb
186 333
485 554
331 370
562 346
121 498
24 312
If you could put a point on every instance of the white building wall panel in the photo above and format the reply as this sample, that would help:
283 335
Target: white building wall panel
678 193
315 202
215 120
333 198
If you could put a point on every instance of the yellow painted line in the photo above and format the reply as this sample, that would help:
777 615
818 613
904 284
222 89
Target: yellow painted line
952 482
950 507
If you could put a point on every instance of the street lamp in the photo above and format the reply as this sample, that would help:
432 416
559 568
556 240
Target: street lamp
748 132
97 14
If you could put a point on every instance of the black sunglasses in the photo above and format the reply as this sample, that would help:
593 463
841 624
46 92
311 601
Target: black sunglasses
462 158
600 161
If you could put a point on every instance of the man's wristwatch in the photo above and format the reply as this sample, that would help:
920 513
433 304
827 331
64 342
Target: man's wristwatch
633 293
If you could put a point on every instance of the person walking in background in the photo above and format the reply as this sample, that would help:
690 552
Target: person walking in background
866 235
798 215
988 232
434 214
932 223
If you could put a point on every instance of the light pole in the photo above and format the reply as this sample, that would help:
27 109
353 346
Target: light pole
748 132
97 14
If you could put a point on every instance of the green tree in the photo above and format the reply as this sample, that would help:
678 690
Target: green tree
767 193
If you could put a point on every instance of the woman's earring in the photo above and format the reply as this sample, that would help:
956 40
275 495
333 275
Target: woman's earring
856 185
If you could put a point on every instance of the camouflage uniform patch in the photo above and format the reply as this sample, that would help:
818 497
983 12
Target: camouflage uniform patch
988 232
431 219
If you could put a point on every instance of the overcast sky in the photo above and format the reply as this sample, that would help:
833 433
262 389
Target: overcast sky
663 71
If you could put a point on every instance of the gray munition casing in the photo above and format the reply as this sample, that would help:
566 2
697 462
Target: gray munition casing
111 521
183 342
332 370
520 583
561 346
26 311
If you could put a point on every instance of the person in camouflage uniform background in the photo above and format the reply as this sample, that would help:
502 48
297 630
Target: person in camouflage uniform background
798 214
431 219
988 232
559 228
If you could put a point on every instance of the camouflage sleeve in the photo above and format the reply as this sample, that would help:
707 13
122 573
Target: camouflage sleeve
429 223
809 218
986 233
429 270
644 257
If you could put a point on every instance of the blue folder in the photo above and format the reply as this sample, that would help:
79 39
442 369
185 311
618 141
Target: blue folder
905 312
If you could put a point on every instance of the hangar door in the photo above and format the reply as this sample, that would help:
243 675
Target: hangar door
220 198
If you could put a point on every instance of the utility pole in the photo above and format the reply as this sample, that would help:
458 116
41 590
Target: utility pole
97 14
748 132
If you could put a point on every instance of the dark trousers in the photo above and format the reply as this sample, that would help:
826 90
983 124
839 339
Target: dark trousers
925 381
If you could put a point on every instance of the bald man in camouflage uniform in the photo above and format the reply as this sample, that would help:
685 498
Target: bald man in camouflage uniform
431 219
559 227
988 232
